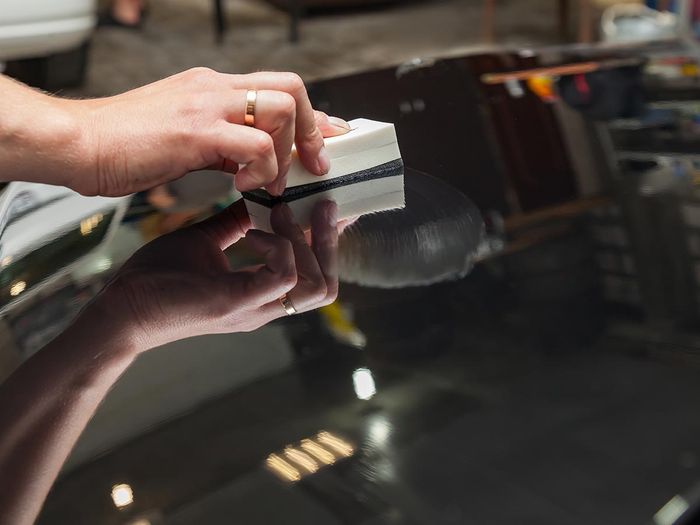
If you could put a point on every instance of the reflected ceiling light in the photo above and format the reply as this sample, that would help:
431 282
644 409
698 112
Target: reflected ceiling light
140 521
317 451
17 288
301 458
5 261
283 469
103 264
332 441
379 430
309 456
669 513
364 383
87 225
122 495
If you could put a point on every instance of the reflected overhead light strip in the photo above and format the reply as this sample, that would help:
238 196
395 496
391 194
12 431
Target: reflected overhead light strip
672 511
318 451
282 468
340 446
301 458
309 456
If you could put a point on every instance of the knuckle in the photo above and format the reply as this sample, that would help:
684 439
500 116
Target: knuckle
319 291
287 106
263 146
289 279
294 83
331 294
201 73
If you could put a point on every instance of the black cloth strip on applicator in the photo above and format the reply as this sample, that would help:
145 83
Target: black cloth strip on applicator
388 169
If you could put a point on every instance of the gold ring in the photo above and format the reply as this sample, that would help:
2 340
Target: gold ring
286 303
251 97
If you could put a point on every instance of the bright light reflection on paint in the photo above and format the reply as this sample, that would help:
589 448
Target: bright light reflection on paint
87 225
308 457
122 495
364 384
301 458
318 451
379 430
17 288
340 446
283 469
669 513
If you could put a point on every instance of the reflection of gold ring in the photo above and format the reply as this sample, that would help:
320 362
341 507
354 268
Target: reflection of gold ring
251 97
286 303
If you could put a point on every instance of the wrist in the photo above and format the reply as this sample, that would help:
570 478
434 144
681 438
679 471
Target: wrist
43 142
71 132
108 321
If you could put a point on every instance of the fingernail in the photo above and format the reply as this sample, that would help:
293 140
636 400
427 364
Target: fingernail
332 211
324 161
339 123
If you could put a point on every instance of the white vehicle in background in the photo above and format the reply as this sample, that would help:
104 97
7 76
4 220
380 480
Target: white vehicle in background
44 42
48 233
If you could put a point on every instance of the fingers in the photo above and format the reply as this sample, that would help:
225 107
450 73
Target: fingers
317 266
330 126
249 146
225 165
277 115
307 135
311 283
228 226
308 275
324 240
271 280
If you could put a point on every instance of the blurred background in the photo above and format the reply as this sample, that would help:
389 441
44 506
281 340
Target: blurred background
519 345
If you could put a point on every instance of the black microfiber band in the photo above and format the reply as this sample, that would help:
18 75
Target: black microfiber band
388 169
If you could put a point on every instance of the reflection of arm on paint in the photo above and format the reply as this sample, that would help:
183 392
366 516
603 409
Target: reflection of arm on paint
180 285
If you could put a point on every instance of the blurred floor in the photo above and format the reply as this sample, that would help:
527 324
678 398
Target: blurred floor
179 34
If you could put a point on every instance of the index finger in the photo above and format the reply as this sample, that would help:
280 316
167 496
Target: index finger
308 138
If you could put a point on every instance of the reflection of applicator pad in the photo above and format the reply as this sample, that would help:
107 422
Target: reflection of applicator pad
366 176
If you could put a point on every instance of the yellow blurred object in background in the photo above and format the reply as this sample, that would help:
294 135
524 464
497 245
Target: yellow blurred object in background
543 87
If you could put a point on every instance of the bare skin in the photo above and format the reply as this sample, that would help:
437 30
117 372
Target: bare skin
179 285
128 12
151 135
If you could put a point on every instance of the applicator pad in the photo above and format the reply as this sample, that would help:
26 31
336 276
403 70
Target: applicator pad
366 176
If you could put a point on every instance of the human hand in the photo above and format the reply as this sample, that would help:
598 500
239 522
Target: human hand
181 284
194 120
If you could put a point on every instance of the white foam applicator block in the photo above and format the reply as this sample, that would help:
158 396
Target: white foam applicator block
366 176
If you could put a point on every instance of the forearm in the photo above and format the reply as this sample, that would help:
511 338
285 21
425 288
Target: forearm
46 404
42 138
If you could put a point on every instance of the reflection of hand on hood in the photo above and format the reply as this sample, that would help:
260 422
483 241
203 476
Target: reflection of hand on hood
435 238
